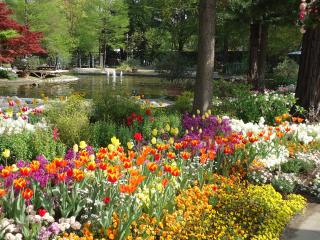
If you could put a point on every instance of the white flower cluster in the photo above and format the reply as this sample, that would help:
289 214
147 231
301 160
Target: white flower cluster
12 126
306 133
66 223
9 230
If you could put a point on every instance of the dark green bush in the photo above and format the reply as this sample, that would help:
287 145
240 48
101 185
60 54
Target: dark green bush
174 66
284 74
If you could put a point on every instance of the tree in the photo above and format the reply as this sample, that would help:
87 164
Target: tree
23 42
203 85
308 86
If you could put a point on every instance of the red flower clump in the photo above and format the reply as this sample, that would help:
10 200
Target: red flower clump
138 137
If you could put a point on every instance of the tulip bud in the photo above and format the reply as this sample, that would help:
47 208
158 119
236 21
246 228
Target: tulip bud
75 148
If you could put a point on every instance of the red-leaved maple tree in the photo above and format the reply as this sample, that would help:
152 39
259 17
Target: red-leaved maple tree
25 43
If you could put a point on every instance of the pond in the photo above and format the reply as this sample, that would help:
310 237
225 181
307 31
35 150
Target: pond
95 85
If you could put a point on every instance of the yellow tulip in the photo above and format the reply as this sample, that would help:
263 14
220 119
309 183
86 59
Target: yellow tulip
15 168
171 140
198 111
153 140
75 148
92 157
111 147
6 153
83 145
167 127
155 132
115 141
130 145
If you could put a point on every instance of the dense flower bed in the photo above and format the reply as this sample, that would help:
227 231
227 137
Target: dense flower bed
144 190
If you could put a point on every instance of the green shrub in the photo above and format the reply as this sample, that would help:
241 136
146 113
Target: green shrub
251 107
284 74
43 143
102 132
283 184
71 118
162 119
174 66
18 144
223 89
8 74
115 108
184 102
125 134
298 166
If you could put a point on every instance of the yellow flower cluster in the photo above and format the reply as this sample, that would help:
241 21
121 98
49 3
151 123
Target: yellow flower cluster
227 209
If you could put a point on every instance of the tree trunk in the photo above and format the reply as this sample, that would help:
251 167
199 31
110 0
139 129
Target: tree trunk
258 54
308 86
203 85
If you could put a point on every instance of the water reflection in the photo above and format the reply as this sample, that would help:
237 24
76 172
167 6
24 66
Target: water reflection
92 86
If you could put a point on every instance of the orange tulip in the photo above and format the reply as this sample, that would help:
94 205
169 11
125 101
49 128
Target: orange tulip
2 192
34 165
19 183
185 155
27 193
127 164
91 166
171 155
112 177
5 172
25 171
152 166
62 176
78 175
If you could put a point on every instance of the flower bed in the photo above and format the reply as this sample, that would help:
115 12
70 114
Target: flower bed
166 188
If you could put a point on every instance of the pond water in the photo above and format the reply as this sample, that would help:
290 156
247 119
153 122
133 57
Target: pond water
92 86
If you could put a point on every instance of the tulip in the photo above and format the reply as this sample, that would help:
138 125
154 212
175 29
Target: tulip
2 192
6 153
83 145
27 193
155 132
75 148
153 140
130 145
115 141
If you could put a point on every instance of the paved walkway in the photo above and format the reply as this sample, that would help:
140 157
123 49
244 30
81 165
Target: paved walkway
306 226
